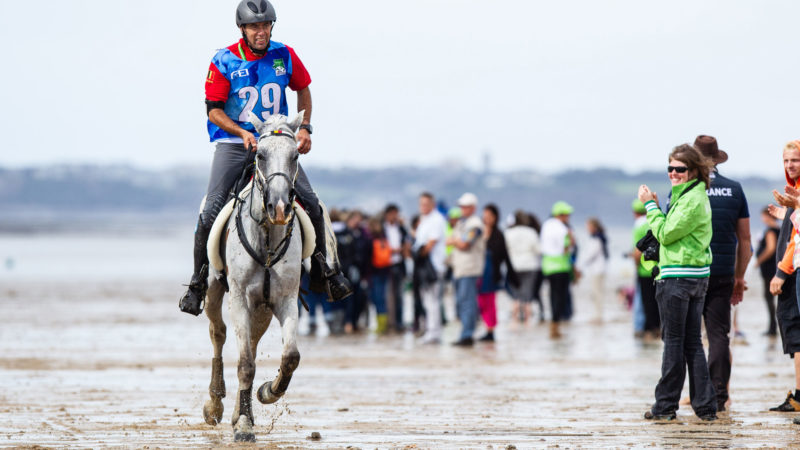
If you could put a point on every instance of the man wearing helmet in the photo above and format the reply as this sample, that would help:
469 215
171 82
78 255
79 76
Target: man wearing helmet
252 76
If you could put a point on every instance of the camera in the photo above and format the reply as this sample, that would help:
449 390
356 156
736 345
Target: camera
649 247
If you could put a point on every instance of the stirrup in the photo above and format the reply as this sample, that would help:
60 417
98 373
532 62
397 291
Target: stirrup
335 284
341 287
193 300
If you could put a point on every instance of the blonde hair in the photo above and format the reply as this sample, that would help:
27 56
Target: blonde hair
792 145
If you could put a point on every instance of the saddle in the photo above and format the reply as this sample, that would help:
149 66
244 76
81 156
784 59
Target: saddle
216 239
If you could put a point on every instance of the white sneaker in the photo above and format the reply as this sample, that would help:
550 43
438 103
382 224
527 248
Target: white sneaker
430 340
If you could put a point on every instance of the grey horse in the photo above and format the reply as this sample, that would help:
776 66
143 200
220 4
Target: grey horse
266 220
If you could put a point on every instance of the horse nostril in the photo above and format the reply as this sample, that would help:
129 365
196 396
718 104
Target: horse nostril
270 208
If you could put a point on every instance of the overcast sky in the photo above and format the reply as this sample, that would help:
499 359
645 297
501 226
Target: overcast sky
543 85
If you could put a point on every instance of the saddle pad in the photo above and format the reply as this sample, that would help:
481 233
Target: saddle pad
221 224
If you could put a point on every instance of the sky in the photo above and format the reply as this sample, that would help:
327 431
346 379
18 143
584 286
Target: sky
542 85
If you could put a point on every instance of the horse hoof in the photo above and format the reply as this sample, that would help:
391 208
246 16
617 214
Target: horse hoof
243 436
243 430
265 394
212 412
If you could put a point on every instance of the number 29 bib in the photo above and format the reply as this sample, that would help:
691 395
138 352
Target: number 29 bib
255 86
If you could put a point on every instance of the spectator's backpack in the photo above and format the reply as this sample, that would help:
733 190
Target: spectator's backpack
381 253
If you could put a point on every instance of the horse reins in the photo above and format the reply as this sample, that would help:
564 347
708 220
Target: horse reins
273 256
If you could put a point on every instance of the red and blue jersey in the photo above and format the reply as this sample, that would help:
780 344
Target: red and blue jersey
247 83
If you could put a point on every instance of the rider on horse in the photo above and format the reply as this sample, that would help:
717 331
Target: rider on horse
252 76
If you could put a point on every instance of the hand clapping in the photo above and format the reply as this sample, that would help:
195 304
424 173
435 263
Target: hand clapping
645 194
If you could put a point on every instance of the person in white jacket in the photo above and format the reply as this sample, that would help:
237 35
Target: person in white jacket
525 253
593 260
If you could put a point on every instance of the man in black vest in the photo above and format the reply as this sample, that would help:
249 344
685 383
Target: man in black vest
730 245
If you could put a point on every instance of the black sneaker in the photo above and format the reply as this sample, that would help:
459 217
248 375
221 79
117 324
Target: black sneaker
650 416
708 417
789 405
796 421
488 337
464 342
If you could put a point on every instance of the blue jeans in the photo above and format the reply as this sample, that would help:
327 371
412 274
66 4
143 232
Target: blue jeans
467 304
680 304
638 310
377 290
313 299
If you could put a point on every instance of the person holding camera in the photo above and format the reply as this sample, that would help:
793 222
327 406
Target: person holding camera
684 238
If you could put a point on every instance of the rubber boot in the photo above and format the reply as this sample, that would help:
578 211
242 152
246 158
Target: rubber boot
192 300
324 278
383 324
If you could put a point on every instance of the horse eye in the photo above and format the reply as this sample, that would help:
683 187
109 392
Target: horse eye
259 156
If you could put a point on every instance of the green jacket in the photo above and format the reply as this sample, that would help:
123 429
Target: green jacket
684 233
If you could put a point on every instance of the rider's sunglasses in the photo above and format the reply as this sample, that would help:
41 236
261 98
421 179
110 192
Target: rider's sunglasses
679 169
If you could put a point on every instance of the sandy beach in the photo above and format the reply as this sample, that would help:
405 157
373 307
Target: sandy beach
115 364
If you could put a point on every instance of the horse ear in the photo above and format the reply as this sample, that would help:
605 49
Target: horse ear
295 123
256 122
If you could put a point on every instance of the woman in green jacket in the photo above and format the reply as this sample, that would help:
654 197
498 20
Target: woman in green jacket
684 235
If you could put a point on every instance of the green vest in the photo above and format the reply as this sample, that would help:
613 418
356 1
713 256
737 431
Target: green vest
557 263
638 233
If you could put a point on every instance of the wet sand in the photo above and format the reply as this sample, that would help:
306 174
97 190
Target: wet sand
118 365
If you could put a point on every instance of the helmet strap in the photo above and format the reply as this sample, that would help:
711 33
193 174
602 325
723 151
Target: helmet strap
258 53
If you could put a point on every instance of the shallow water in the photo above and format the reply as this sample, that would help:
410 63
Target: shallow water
110 364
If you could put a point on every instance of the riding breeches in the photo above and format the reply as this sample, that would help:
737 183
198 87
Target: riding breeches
226 168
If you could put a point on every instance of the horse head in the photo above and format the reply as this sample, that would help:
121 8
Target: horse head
276 164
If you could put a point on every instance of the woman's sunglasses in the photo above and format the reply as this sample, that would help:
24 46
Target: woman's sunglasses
679 169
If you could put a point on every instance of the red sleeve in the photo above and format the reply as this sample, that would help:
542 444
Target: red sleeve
300 77
217 86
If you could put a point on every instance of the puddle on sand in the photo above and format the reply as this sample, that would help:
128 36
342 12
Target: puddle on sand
111 366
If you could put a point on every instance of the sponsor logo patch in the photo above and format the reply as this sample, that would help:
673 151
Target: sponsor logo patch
240 73
278 67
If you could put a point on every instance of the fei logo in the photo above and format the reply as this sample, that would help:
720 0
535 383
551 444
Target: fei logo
239 73
278 67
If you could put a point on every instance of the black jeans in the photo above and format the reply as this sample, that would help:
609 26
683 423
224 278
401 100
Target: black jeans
397 275
559 294
647 289
680 302
717 317
226 168
789 317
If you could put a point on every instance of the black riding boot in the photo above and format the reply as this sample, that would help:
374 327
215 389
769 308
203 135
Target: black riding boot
324 278
192 300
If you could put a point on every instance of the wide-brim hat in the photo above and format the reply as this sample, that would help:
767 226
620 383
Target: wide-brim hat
468 199
708 147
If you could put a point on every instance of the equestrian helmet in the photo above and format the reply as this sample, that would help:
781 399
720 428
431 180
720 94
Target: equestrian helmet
254 11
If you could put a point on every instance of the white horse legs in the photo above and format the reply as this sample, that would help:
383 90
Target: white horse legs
242 419
271 391
251 318
213 408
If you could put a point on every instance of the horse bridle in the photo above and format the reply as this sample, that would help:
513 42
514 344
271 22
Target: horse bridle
272 257
263 181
